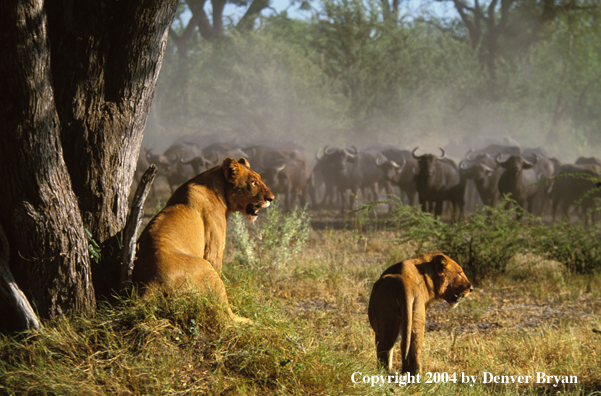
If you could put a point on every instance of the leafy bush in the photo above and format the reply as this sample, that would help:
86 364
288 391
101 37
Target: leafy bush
272 243
487 242
483 246
575 246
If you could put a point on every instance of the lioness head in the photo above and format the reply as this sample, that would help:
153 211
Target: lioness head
452 284
246 191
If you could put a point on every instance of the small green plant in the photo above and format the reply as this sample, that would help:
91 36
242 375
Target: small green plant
93 247
274 241
159 205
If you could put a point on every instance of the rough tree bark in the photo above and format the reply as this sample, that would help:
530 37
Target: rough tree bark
77 82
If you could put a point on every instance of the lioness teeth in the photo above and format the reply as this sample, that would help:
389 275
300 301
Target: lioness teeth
251 210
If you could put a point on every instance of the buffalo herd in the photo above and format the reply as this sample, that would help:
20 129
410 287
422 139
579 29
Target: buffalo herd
340 178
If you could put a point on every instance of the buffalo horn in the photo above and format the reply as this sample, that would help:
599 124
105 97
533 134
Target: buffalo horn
416 156
380 159
320 153
499 159
330 150
464 165
397 165
280 166
531 163
467 155
244 154
187 162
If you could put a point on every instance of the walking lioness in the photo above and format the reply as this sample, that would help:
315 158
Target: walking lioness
185 241
398 302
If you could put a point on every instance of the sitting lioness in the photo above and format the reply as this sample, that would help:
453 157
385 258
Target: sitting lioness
185 241
398 302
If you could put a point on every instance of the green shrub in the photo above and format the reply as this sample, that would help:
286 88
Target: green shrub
483 245
272 242
575 246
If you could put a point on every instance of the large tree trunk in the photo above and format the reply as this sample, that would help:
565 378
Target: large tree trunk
77 83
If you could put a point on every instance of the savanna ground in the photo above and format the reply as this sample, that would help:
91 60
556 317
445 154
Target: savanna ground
311 331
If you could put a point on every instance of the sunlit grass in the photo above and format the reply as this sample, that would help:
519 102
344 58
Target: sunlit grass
311 332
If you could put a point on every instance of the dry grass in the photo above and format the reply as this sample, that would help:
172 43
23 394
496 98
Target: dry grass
311 333
534 318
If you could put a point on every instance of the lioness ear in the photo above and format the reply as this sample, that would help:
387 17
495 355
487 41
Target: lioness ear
231 169
244 162
440 263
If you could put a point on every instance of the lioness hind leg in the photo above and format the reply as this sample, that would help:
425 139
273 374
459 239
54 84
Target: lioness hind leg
206 277
216 284
385 343
412 363
385 319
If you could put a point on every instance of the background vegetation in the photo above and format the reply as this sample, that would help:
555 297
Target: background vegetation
347 75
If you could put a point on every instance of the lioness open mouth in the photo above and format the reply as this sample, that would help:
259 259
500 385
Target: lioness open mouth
252 210
456 298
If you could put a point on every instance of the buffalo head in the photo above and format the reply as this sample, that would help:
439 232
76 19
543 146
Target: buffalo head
392 169
427 162
516 163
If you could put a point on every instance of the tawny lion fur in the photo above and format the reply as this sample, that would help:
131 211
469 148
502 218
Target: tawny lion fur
185 241
399 299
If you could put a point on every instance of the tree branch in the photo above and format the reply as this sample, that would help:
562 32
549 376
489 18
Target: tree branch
132 227
11 291
255 8
200 19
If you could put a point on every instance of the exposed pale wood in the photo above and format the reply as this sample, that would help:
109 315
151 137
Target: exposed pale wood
11 291
133 225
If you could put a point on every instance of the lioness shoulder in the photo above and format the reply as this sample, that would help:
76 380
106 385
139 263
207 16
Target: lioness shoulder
398 302
184 243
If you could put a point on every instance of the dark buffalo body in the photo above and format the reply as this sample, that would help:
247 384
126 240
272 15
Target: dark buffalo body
346 172
575 185
289 176
485 172
404 176
437 181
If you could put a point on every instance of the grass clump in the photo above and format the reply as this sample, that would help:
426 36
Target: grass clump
181 344
137 342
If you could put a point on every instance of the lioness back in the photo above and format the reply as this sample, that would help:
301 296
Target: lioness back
185 241
398 302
